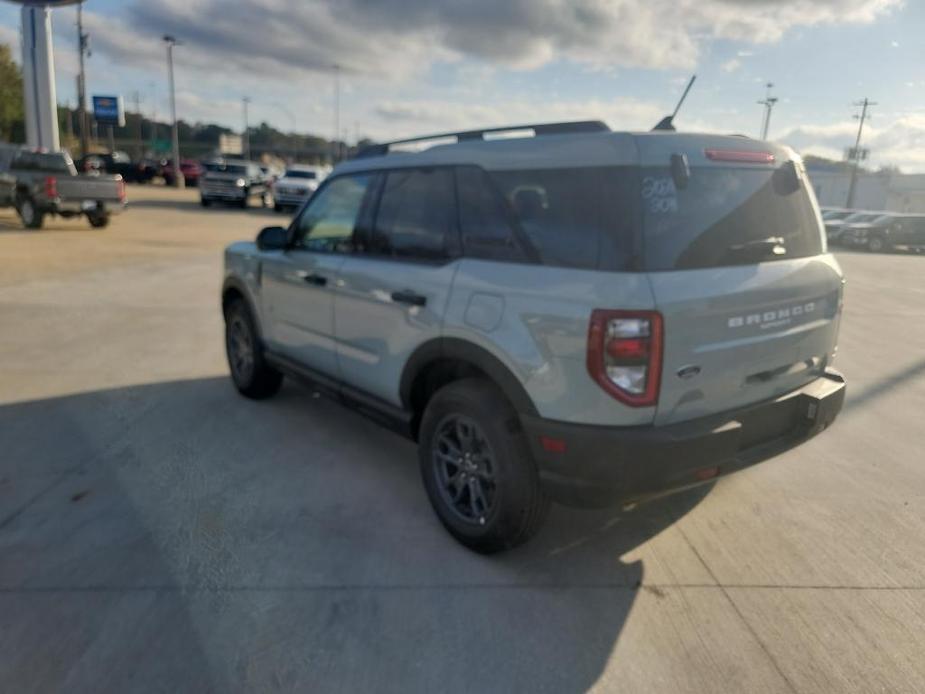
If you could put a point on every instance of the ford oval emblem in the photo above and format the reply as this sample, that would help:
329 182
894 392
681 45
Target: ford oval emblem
688 371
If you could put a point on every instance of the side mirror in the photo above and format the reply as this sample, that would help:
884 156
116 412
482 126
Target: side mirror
272 238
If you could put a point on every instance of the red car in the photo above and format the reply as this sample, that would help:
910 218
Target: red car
190 168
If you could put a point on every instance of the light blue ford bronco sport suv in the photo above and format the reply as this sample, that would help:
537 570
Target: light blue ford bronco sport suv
573 315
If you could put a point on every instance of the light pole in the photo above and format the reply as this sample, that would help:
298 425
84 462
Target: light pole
768 104
83 46
247 136
335 147
177 174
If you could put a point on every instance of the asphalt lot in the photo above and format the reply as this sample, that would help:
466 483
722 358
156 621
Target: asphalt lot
160 533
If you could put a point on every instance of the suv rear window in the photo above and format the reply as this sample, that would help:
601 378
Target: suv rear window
708 222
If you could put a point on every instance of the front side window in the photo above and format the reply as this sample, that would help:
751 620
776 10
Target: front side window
415 215
328 222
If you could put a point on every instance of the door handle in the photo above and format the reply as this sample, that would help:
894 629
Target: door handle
409 297
313 278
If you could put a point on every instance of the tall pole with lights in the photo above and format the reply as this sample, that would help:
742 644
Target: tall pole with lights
247 135
177 174
768 104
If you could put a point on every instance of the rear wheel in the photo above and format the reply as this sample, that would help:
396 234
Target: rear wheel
243 201
205 202
98 220
251 374
477 468
876 244
32 217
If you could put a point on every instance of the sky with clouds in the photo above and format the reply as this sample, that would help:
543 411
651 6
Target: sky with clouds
409 67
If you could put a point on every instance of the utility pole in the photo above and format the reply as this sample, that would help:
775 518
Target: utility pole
139 133
865 104
335 147
768 104
177 174
247 135
83 48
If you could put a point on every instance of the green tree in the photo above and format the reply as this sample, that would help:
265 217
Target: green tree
12 124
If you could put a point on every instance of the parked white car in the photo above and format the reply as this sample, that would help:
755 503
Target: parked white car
296 185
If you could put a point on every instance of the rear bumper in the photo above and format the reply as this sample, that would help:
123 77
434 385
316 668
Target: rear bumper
603 466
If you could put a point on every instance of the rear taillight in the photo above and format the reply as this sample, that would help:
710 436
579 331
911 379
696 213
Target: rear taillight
625 354
51 187
739 156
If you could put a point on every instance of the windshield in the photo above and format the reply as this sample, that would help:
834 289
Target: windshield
861 217
236 169
722 217
301 174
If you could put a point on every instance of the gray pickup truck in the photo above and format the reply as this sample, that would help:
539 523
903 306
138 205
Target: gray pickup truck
48 183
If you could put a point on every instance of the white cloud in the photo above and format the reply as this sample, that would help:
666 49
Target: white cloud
731 65
395 39
900 142
402 118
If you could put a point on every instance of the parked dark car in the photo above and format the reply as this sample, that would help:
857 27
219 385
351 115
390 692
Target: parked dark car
117 163
887 233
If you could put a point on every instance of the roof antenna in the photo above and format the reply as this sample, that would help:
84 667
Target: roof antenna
667 123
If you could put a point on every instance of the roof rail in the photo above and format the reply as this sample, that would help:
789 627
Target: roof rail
582 126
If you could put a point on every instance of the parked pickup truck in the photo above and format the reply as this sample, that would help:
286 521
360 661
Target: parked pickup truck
48 183
234 181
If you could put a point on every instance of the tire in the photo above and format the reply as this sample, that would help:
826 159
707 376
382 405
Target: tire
98 220
32 216
277 207
489 498
251 374
876 244
205 202
243 201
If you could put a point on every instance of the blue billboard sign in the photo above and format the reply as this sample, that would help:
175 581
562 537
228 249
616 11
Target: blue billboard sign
108 110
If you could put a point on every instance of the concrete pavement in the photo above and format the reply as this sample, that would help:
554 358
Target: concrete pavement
160 533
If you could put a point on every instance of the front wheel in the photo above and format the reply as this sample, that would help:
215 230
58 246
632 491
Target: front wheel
205 202
876 244
251 374
32 217
243 201
477 469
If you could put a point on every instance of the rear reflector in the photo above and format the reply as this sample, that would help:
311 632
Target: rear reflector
552 445
739 156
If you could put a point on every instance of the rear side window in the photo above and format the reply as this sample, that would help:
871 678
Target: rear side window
575 217
723 216
486 223
416 214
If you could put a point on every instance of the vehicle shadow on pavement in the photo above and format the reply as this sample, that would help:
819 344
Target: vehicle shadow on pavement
194 206
177 537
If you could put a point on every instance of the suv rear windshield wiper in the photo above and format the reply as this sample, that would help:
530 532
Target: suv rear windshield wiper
760 248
